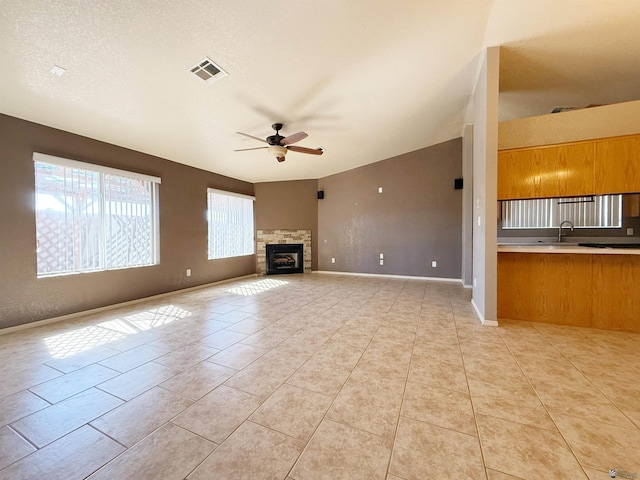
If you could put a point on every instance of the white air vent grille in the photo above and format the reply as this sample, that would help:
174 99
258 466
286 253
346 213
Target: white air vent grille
207 70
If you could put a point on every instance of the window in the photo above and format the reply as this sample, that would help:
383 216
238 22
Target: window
91 218
231 232
601 211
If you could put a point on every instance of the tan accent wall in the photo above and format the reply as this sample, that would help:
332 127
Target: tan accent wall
289 205
183 228
585 124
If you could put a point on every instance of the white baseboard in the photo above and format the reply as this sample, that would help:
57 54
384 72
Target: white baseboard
70 316
404 277
488 323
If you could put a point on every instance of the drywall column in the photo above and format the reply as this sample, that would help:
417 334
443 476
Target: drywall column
467 206
485 166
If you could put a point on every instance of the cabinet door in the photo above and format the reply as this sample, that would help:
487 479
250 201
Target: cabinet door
517 174
553 171
567 170
617 165
552 288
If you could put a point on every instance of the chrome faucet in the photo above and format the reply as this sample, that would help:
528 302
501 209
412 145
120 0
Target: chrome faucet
560 229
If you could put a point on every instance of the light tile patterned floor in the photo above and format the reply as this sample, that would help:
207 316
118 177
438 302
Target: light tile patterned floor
316 376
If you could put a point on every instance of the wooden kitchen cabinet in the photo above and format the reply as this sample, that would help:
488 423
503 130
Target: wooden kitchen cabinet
617 165
517 174
616 292
597 290
551 171
545 288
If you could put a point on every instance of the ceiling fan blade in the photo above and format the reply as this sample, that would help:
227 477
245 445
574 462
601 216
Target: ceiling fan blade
251 136
296 137
312 151
245 149
280 159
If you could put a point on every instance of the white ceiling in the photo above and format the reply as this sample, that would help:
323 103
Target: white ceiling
366 79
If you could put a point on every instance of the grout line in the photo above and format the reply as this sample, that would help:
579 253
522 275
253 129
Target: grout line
17 432
466 376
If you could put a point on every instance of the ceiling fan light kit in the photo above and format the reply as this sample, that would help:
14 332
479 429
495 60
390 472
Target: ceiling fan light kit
278 146
277 151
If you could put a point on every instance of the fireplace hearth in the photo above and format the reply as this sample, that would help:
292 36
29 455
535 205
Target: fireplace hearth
284 258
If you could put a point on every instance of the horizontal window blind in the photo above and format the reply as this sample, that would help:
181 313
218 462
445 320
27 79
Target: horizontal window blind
602 211
94 218
231 225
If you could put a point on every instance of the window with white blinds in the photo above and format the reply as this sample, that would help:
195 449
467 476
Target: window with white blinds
231 227
602 211
91 218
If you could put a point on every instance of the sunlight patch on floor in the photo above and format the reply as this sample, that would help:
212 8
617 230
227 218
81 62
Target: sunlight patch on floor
83 339
257 287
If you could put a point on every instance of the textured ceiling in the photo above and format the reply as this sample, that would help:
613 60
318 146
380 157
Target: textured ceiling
366 79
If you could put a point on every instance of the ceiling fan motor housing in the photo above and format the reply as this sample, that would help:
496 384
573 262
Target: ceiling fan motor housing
275 139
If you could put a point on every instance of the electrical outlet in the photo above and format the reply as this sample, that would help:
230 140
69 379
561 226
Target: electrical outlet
188 272
434 264
629 231
333 260
379 189
381 262
381 256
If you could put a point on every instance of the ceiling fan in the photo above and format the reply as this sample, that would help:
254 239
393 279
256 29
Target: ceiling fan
277 145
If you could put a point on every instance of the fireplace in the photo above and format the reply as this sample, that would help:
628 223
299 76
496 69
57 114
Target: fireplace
285 258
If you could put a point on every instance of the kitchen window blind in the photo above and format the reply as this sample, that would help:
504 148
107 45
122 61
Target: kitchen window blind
601 211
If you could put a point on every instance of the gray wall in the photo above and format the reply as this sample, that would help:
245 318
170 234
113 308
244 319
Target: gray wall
291 205
415 220
183 228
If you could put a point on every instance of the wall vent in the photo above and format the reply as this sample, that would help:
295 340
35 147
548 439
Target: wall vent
207 70
562 109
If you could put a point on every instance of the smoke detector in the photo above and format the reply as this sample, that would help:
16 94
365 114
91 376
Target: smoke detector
208 71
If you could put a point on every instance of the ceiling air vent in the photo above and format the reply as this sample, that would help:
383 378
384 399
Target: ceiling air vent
208 71
562 109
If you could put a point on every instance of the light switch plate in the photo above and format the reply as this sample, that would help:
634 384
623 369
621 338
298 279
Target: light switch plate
630 231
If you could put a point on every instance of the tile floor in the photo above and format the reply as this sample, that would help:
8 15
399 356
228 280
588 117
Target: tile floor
316 377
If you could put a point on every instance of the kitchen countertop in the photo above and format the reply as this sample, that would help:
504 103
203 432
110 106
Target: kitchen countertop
565 248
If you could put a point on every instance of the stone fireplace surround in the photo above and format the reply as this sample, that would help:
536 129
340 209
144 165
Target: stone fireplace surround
264 237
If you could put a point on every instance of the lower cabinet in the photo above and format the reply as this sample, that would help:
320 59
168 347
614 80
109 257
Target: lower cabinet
616 292
599 291
554 288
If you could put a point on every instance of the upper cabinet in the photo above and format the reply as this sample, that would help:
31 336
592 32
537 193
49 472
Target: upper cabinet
617 165
610 165
549 171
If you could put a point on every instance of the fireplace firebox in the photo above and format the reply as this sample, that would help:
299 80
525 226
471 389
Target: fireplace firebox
285 258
